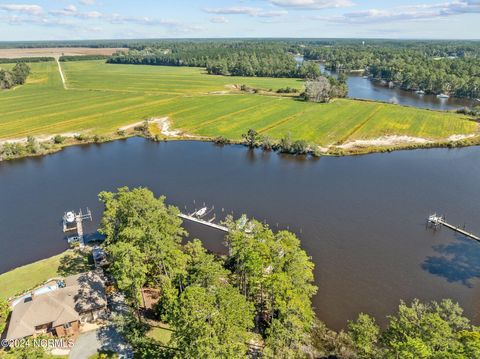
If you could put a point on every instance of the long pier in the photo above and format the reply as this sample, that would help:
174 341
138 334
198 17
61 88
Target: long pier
439 220
205 223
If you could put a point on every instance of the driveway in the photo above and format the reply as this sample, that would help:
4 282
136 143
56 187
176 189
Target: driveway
103 339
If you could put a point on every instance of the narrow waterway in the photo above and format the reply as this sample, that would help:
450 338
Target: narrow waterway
362 87
362 219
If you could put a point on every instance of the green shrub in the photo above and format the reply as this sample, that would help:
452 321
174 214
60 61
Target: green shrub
221 140
267 143
81 137
58 139
287 89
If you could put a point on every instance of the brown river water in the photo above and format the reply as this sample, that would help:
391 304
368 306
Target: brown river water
361 219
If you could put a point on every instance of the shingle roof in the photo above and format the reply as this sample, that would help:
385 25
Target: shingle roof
82 293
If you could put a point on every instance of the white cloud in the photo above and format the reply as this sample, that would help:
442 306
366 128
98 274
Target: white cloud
92 15
38 20
87 2
233 10
219 20
250 11
173 26
312 4
272 13
72 11
71 17
413 12
29 9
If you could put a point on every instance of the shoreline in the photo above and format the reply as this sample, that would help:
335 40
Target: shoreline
309 167
352 148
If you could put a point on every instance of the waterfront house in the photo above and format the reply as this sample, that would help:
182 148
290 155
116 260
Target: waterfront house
60 312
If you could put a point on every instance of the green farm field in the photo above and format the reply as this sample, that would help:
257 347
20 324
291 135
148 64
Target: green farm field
100 98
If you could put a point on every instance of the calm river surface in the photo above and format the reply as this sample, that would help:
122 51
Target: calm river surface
361 87
360 218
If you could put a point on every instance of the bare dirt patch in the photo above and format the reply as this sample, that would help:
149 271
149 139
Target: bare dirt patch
164 126
157 121
57 52
460 137
42 138
385 141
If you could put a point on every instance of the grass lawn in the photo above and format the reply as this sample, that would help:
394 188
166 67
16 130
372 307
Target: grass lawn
160 334
104 355
102 97
22 279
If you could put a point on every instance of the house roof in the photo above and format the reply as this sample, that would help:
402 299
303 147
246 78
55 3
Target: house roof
82 293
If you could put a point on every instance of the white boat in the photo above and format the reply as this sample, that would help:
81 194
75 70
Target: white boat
201 212
420 92
442 95
70 217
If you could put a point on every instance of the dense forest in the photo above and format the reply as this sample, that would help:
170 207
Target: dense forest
223 58
451 67
16 76
434 68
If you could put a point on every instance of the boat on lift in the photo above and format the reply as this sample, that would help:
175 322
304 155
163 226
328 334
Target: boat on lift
70 217
443 96
420 92
201 212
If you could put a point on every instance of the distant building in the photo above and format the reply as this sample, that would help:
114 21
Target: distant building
60 312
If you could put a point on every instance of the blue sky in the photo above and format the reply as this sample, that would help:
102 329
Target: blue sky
105 19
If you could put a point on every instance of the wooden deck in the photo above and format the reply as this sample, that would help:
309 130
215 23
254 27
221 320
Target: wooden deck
205 223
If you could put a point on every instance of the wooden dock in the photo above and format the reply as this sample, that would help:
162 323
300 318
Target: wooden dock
205 223
78 219
440 220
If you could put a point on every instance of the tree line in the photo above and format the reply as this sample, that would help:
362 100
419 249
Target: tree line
14 77
433 68
33 147
83 58
26 59
223 58
253 139
416 331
